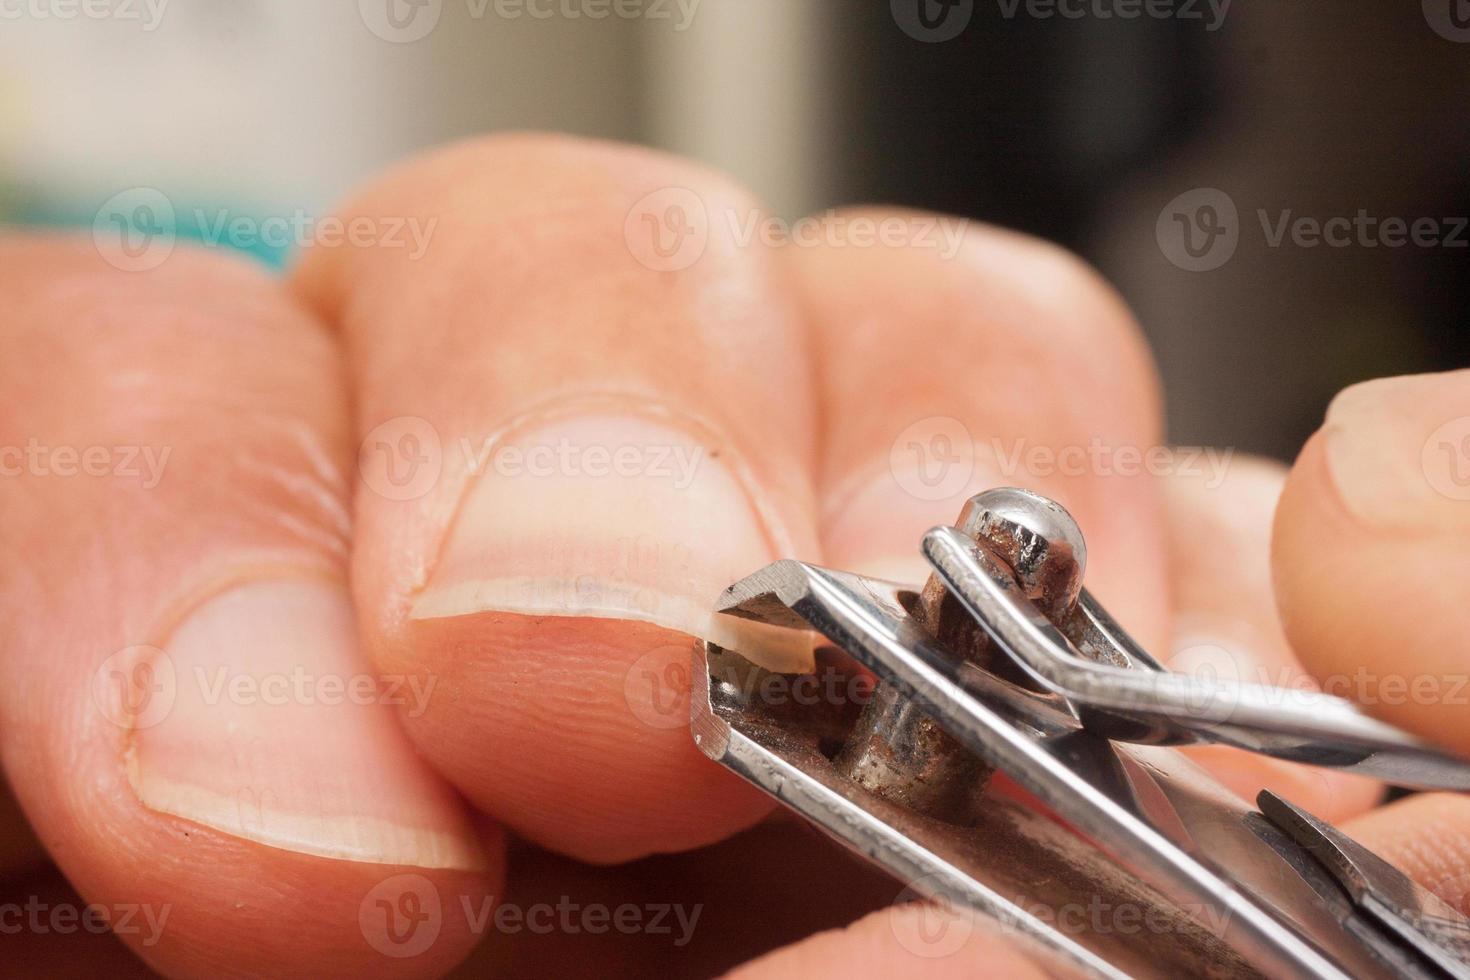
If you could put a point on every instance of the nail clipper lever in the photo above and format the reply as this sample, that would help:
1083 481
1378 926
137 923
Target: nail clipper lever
1003 662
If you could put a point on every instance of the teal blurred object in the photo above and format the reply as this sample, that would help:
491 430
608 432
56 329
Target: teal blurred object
207 226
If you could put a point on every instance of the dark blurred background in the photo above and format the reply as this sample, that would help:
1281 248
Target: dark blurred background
1085 130
1111 126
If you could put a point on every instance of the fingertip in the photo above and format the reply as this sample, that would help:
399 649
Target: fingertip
1369 556
592 757
907 939
1427 836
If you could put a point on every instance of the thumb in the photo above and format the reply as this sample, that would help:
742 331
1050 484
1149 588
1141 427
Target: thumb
1370 553
1371 563
902 940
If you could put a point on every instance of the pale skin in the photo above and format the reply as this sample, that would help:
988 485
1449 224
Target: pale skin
264 551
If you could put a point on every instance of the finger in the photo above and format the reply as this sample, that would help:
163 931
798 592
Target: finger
910 939
621 433
1427 836
1370 552
1218 512
997 360
177 626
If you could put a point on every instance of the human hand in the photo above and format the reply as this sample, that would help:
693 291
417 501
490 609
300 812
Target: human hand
290 668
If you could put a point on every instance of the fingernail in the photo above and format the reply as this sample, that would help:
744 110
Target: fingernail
1398 452
274 731
617 517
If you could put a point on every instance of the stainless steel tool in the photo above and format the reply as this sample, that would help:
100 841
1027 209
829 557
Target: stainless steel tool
1002 661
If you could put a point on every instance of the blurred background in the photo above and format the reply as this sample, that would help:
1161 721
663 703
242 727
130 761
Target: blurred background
1278 188
1184 146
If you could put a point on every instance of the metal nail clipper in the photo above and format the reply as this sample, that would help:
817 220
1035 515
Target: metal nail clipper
1003 662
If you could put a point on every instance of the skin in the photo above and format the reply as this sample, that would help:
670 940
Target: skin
796 368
